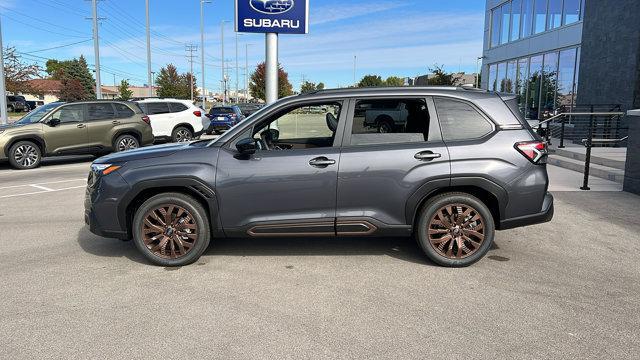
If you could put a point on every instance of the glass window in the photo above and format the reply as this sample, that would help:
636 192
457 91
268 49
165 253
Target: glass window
493 75
502 74
221 111
582 9
566 72
533 90
554 14
516 14
177 107
540 16
390 121
521 87
100 111
37 114
527 17
157 108
549 84
510 81
496 18
571 11
302 127
460 121
69 113
123 111
506 22
576 77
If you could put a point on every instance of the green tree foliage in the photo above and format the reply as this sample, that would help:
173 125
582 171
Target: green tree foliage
123 89
18 73
76 69
441 77
394 81
308 87
257 84
172 84
71 90
371 81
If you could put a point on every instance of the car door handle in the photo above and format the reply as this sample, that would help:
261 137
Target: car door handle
81 126
427 155
115 122
321 162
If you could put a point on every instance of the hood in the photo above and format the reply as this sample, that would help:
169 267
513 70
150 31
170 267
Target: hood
142 153
10 126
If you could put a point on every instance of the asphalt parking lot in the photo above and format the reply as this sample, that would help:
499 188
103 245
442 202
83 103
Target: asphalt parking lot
567 289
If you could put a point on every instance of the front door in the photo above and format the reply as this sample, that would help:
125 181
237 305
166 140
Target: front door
288 187
380 171
70 135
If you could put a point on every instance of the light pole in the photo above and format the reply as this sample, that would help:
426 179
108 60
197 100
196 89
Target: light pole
3 90
246 72
224 83
478 71
153 79
355 59
204 92
271 68
96 47
237 74
148 50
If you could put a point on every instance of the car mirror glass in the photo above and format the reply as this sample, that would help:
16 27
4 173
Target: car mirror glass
53 122
247 146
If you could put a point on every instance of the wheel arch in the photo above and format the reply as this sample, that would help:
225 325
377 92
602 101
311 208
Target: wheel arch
33 138
185 125
132 132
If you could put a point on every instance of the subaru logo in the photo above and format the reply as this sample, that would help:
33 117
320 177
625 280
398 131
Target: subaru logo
271 6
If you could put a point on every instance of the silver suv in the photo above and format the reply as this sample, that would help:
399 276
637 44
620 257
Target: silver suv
460 165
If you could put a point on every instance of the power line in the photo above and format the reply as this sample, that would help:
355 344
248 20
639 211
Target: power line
42 21
43 29
58 47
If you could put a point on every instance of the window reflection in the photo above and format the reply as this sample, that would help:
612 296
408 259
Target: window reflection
506 16
533 90
571 11
516 8
549 84
540 16
493 75
496 18
554 18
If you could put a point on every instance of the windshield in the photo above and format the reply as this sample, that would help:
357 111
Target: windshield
218 111
37 114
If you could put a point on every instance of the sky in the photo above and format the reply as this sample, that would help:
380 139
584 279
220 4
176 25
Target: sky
388 38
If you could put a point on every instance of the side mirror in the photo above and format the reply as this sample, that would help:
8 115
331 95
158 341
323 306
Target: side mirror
53 122
247 146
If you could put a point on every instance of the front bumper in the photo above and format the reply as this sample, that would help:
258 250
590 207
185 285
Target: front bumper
101 204
542 217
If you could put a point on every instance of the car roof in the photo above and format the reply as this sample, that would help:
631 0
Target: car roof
164 99
456 91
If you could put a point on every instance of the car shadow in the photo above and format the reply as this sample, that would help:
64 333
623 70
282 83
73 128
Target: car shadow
55 160
405 249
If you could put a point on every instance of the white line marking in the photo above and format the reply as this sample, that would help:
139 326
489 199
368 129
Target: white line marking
42 192
41 187
42 183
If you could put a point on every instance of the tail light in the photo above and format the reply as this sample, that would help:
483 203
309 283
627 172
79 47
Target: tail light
534 151
197 113
146 119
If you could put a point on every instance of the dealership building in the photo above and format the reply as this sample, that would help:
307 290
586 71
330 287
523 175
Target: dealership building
554 53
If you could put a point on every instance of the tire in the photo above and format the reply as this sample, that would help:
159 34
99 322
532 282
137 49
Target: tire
181 134
125 142
385 127
476 233
149 239
25 155
10 108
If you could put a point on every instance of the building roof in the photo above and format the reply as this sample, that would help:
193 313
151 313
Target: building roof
47 86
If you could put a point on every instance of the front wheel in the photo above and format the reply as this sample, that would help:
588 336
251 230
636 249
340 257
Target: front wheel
25 155
126 142
181 134
455 229
171 229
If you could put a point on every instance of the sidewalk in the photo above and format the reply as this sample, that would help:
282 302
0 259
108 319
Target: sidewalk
561 179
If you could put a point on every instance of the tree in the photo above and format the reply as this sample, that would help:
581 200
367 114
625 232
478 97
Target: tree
440 77
18 73
258 83
72 90
75 69
172 84
394 81
123 89
371 81
308 87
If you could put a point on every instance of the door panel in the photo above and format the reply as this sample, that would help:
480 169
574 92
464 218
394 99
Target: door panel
102 121
70 136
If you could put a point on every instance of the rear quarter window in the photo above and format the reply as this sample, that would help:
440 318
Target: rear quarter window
123 111
460 120
157 108
177 107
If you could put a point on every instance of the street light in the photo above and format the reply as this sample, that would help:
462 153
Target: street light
204 92
478 71
224 83
246 72
237 71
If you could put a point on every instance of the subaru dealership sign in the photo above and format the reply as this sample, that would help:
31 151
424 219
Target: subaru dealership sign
272 16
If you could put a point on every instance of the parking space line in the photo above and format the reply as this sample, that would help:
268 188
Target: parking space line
42 192
41 187
41 183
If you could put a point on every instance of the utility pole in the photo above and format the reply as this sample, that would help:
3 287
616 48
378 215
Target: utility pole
148 52
237 75
96 49
224 83
204 92
246 72
191 48
3 90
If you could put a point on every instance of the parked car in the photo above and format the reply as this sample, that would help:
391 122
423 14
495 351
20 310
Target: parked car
32 104
465 164
386 115
174 120
16 103
223 118
249 109
92 127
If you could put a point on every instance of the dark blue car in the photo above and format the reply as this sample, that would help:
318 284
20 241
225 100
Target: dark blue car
223 118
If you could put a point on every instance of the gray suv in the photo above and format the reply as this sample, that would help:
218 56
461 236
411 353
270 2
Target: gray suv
463 164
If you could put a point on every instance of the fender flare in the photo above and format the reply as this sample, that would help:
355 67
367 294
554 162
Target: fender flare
27 137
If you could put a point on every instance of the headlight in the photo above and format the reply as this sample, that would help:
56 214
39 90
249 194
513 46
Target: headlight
104 169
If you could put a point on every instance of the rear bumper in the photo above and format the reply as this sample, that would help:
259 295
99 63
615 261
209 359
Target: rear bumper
542 217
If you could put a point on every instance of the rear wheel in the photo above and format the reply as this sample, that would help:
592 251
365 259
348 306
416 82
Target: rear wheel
455 229
25 155
181 134
385 127
171 229
126 142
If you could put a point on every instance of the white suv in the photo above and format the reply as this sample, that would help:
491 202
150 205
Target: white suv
174 119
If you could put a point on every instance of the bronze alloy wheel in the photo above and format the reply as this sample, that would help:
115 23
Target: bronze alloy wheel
26 155
456 231
169 231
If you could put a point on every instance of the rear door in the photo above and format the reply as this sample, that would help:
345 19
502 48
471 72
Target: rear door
161 118
70 135
380 171
101 120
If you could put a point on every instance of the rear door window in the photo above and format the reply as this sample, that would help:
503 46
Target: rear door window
460 120
177 107
100 111
157 108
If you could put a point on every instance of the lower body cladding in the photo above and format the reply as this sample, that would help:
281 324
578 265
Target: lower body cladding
328 228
